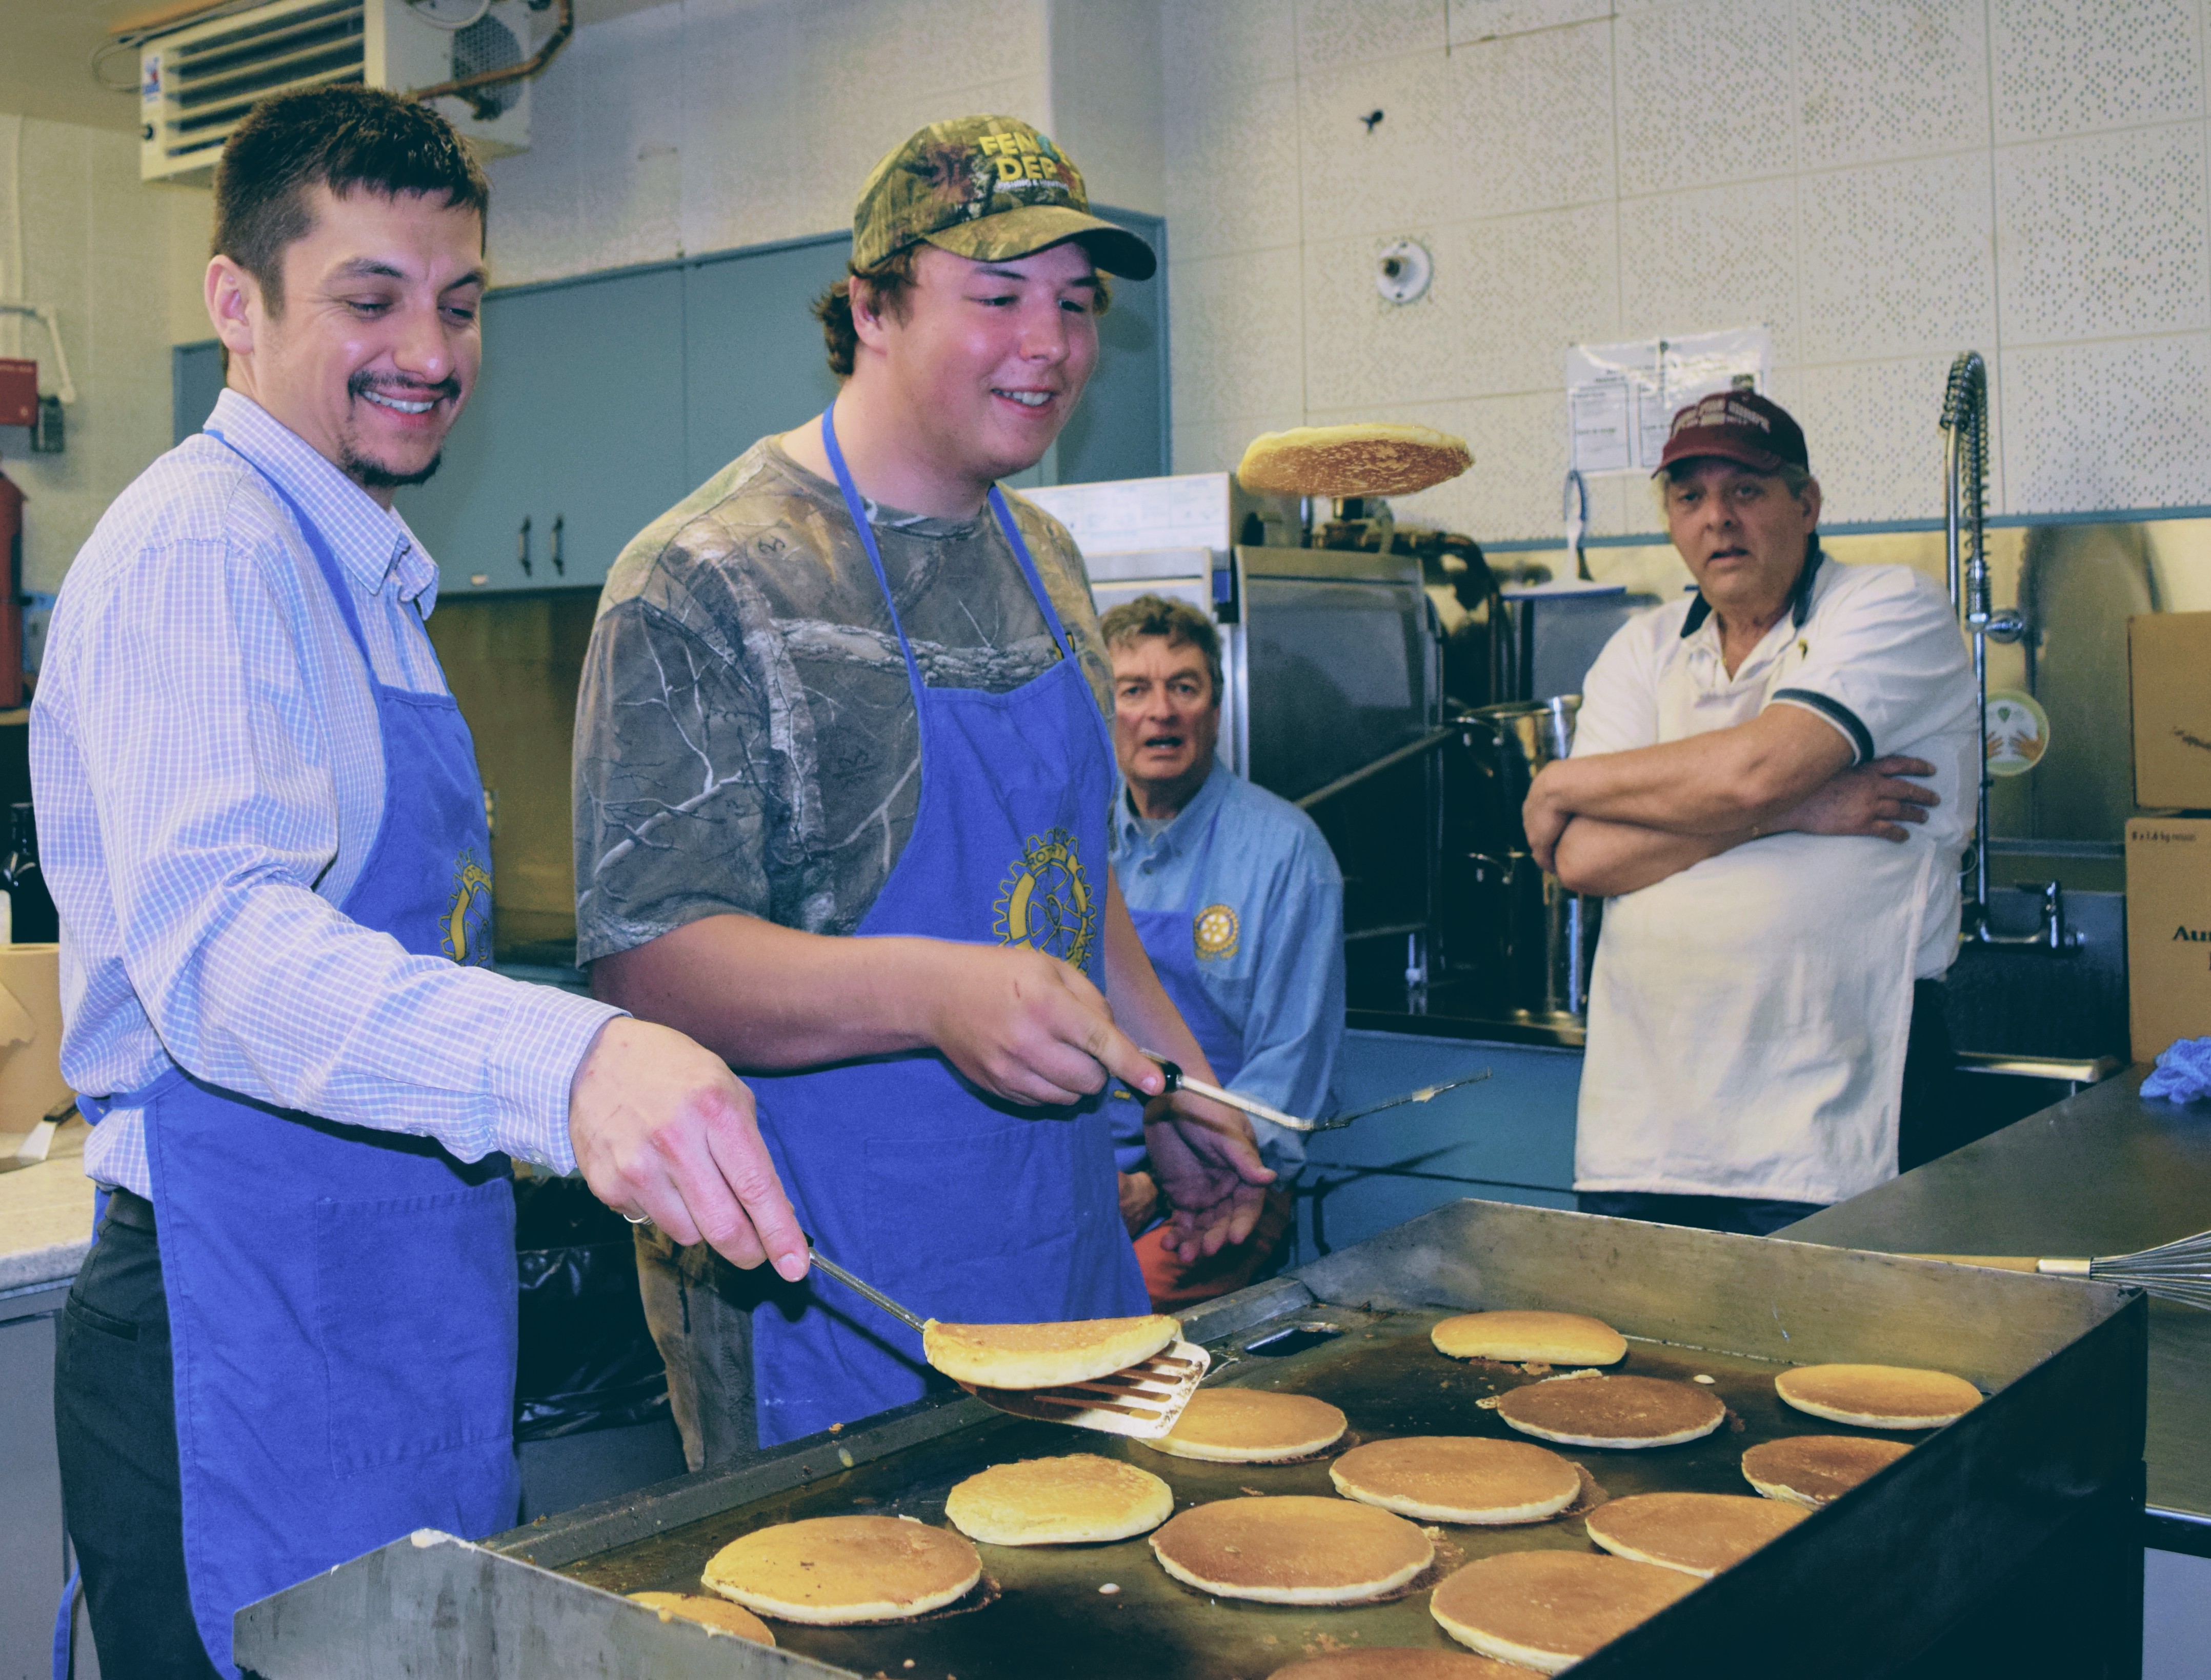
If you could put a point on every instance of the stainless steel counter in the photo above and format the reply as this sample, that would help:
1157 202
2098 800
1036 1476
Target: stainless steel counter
2103 1173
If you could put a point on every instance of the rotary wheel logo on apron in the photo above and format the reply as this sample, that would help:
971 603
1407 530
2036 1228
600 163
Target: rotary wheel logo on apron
1045 901
1216 932
466 925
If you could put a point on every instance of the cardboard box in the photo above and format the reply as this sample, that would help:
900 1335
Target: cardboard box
2168 931
31 1080
2169 671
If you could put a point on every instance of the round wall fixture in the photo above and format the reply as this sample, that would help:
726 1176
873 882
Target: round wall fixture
1402 268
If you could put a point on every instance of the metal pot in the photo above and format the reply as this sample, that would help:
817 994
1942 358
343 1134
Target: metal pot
1529 932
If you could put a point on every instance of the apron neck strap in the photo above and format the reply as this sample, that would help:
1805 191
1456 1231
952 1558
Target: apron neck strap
316 545
1028 570
859 509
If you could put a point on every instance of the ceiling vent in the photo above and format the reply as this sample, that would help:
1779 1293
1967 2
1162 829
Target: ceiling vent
195 84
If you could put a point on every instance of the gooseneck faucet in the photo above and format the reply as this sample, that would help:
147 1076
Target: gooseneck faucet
1965 554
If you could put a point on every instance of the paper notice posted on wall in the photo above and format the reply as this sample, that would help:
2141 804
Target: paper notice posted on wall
1621 398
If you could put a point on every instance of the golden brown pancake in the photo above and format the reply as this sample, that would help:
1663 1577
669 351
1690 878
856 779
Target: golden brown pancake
1548 1610
1878 1397
1458 1479
1250 1426
1699 1534
1059 1501
1550 1338
1293 1549
1811 1469
1392 1663
831 1569
720 1614
1370 459
1044 1355
1613 1411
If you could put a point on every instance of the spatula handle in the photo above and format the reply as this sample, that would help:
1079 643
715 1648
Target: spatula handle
1178 1080
863 1290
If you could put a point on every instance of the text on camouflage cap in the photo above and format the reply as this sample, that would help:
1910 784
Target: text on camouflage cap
992 189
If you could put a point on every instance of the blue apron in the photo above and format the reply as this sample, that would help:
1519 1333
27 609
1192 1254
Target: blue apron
1170 939
342 1299
963 1207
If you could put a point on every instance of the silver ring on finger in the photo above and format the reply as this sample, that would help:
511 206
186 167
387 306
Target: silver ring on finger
638 1218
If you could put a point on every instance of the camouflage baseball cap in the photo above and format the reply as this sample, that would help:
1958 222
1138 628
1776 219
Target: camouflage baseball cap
991 189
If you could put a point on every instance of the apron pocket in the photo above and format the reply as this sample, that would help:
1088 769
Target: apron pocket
415 1304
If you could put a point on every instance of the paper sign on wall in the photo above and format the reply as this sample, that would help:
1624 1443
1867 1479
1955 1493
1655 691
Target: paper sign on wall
1621 398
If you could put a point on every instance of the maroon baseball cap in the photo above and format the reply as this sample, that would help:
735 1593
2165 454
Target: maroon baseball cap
1736 425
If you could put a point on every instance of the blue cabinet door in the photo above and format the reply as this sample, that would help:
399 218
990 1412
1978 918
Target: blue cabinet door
1120 429
577 421
194 381
754 360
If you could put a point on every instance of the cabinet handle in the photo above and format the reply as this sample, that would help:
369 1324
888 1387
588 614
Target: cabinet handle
522 546
560 569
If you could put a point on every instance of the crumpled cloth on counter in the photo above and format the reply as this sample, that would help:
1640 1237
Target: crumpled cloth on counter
2184 1072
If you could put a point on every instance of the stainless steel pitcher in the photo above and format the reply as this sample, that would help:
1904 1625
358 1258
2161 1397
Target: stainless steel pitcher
1546 936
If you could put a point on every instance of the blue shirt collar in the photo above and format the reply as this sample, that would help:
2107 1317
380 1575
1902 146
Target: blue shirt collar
1210 792
371 545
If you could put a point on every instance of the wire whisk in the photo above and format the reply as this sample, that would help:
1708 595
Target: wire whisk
2179 1271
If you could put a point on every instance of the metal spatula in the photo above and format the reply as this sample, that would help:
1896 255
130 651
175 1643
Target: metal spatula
1178 1080
1143 1401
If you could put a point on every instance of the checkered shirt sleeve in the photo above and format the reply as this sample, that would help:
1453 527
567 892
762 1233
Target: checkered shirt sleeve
208 777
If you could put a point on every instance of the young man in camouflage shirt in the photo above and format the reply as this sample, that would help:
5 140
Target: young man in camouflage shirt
842 782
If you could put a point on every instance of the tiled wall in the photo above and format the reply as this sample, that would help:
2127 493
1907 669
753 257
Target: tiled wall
98 248
1881 182
713 124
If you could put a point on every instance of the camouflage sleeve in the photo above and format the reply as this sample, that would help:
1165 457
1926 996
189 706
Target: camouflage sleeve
674 818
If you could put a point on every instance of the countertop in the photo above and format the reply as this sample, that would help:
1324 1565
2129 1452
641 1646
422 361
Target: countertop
46 1213
2103 1173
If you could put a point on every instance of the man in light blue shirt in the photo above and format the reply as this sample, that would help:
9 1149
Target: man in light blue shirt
1239 905
294 1339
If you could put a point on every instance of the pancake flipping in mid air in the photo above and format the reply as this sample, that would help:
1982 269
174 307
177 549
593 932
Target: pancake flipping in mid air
1368 459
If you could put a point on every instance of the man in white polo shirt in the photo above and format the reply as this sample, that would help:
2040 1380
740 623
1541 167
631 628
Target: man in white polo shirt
1765 1030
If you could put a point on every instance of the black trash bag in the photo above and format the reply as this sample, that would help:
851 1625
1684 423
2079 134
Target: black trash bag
587 1360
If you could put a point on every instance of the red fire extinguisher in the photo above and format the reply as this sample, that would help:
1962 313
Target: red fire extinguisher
11 608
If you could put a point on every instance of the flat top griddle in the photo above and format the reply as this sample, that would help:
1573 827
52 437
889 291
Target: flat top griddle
1041 1605
2043 1480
